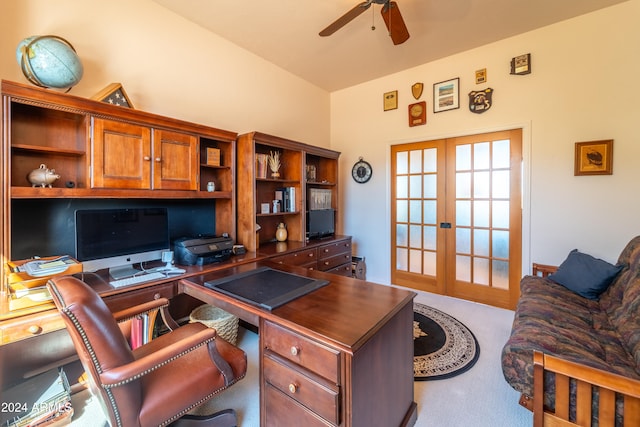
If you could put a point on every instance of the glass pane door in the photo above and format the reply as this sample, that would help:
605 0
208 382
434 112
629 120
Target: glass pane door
418 196
456 214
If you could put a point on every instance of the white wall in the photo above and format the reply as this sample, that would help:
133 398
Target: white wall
584 86
169 66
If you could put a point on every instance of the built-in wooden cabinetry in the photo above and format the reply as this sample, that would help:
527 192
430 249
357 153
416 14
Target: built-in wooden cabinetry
256 227
134 156
102 151
330 255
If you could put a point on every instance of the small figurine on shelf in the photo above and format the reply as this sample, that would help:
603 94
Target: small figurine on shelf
42 177
274 163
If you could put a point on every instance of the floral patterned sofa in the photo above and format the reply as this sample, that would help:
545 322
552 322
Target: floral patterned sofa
600 330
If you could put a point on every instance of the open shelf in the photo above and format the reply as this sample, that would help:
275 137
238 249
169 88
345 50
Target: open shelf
253 190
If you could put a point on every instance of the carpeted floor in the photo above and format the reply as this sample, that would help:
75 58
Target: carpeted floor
479 397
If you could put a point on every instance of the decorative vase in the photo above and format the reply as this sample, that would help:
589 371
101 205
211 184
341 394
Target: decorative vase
281 232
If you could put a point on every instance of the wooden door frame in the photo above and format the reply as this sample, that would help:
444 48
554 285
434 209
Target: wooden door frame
526 128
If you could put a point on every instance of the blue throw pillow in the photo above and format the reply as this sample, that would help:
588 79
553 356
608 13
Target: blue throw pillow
585 275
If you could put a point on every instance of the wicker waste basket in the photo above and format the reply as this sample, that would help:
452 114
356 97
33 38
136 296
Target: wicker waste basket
226 324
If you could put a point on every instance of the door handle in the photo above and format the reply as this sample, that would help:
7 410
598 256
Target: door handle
445 225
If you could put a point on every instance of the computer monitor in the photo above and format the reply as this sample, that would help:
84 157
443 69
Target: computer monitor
320 223
119 238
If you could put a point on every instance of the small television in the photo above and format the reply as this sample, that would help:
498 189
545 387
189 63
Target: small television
320 223
119 238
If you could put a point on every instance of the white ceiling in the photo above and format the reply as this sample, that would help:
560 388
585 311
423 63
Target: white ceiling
285 32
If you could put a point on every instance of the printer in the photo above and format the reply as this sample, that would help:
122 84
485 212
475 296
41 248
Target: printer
202 250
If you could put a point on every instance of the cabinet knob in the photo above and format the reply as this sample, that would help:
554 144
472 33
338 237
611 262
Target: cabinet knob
295 350
293 388
34 329
158 159
146 158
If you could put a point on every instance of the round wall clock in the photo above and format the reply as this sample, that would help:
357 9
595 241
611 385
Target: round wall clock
361 171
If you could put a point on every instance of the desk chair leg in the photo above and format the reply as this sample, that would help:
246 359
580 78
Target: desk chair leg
224 418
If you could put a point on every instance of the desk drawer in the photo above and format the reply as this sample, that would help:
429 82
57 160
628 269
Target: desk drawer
331 249
281 411
342 270
30 326
314 393
297 258
329 263
309 354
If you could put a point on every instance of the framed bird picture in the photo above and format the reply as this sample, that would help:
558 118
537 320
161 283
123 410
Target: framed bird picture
114 94
594 158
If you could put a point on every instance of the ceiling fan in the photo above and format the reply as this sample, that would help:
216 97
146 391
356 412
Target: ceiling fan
390 14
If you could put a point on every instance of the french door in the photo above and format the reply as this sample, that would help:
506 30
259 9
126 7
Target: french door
457 216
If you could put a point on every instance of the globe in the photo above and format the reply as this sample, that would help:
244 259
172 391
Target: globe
49 61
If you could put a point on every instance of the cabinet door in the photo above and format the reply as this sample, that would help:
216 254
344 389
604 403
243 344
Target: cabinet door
121 155
175 160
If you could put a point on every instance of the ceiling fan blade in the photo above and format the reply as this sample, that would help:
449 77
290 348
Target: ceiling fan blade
345 19
395 24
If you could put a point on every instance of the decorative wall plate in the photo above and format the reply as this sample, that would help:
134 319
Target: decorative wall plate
418 113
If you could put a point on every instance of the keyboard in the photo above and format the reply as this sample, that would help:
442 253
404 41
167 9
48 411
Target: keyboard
133 280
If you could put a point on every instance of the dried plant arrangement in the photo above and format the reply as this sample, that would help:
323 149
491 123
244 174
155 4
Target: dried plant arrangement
274 163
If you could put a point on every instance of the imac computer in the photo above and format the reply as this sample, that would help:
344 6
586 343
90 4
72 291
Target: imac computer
119 238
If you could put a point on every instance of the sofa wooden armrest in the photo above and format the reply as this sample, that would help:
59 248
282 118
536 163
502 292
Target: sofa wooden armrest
611 388
543 270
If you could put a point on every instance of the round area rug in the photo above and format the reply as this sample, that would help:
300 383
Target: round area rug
443 346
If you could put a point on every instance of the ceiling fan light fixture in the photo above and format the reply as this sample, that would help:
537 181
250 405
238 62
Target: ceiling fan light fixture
390 15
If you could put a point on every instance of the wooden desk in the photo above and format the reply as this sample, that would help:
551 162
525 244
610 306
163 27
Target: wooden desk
341 355
34 340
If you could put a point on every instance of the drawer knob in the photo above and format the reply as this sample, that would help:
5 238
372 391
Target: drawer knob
295 350
311 254
34 329
326 250
293 388
326 263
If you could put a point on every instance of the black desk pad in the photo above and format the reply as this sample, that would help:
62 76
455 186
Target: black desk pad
265 287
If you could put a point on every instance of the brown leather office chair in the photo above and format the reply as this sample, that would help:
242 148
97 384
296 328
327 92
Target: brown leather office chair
155 384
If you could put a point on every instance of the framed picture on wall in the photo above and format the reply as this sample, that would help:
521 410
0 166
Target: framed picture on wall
446 95
390 100
594 158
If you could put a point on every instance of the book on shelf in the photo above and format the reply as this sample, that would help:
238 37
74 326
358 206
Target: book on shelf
287 197
140 330
292 199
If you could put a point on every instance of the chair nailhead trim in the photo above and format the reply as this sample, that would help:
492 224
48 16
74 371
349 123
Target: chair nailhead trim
94 360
